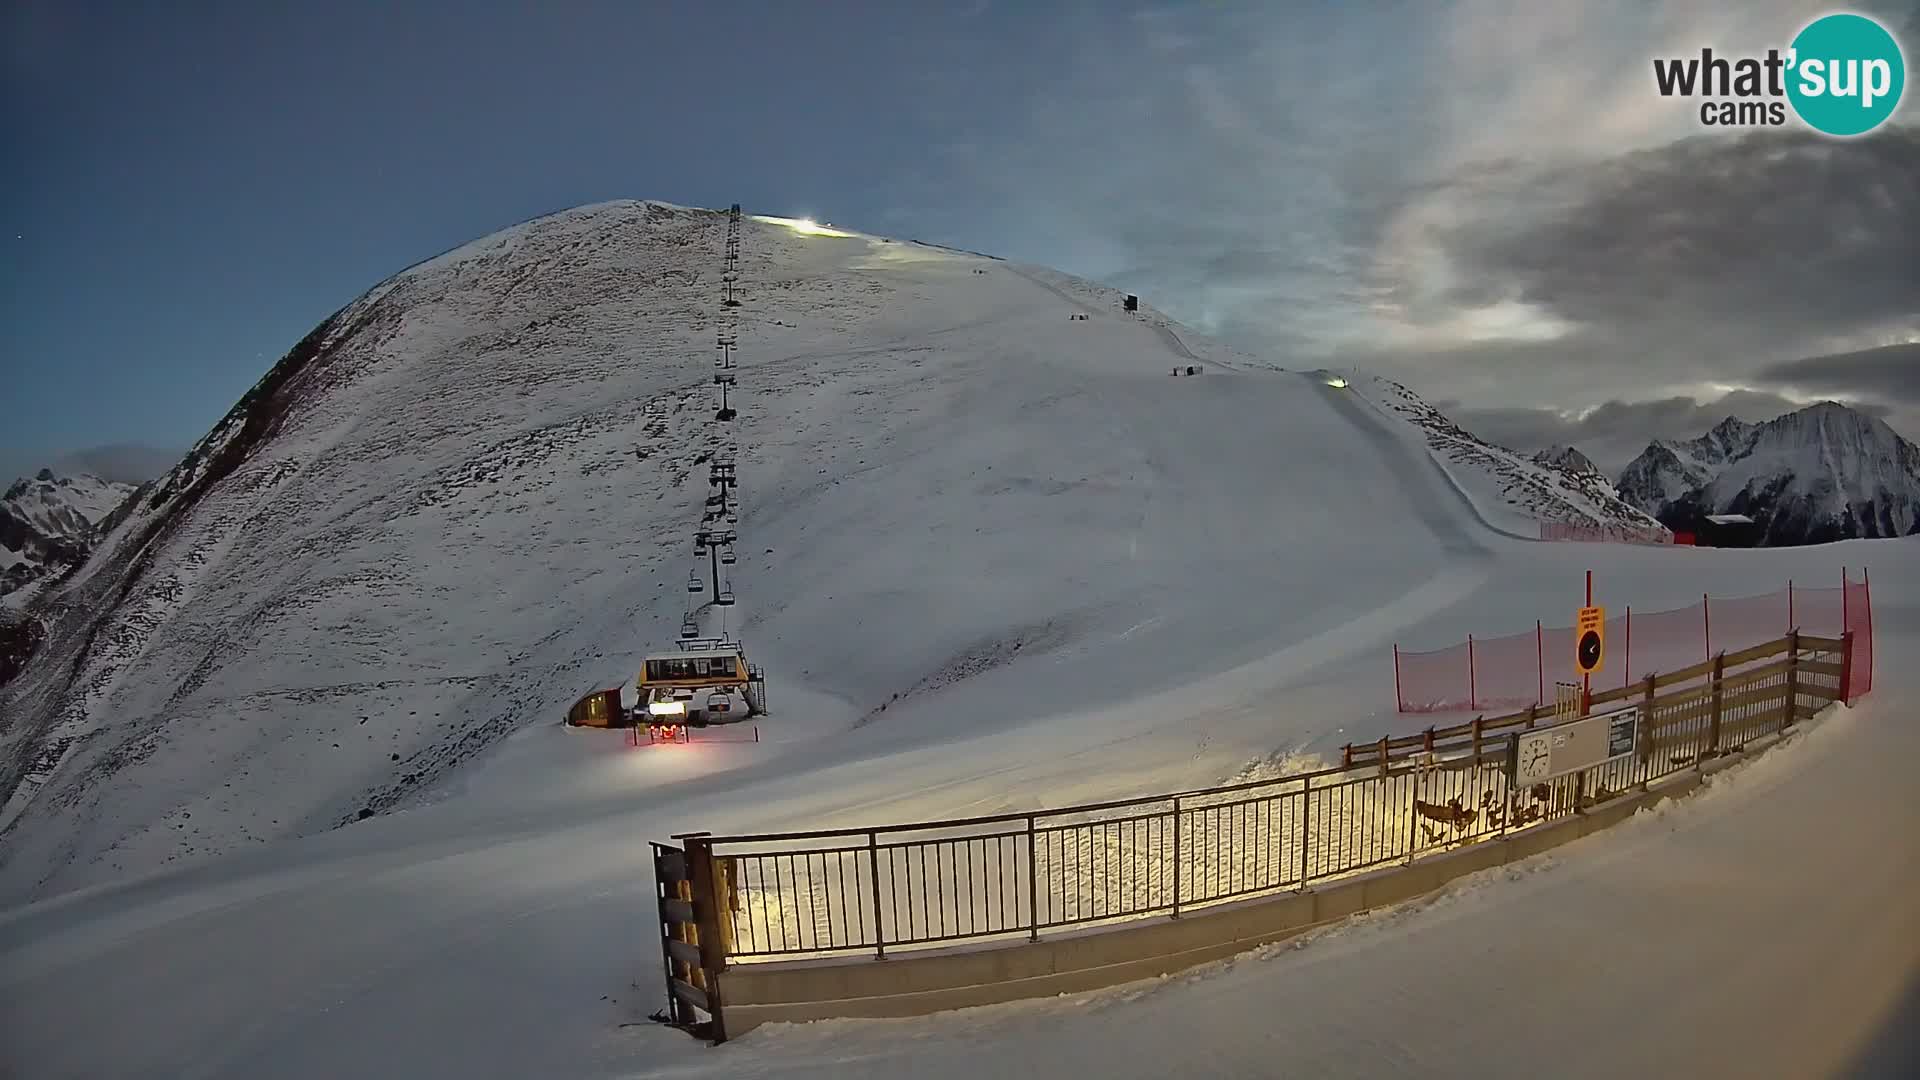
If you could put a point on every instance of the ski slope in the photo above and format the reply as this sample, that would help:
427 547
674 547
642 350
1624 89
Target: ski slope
1065 574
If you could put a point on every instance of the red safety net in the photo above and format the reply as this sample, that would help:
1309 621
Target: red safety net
1517 670
1858 617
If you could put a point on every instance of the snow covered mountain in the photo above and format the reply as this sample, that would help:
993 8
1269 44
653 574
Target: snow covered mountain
467 497
1822 473
1514 492
48 523
1569 459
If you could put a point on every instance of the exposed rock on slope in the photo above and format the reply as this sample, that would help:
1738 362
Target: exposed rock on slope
1822 473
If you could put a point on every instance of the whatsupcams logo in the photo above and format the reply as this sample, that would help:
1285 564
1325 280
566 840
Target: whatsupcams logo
1843 75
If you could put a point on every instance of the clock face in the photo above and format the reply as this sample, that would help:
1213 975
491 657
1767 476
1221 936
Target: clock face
1536 756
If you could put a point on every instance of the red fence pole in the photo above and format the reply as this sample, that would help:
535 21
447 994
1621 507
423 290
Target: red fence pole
1399 700
1706 621
1866 593
1473 680
1540 661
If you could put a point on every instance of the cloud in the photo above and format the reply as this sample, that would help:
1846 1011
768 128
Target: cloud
1615 432
1891 373
1506 214
1756 236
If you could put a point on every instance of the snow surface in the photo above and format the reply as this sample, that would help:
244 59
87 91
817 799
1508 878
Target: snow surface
500 933
1082 579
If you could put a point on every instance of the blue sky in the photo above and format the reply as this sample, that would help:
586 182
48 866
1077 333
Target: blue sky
189 189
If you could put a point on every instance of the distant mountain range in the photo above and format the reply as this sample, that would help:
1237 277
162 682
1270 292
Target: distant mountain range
48 524
1826 472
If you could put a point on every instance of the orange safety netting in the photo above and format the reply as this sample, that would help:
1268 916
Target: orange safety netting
1517 670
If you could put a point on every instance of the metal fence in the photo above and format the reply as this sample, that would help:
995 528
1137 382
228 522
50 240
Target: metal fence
900 887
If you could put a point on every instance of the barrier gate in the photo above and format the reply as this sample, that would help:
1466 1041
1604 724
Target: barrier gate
690 941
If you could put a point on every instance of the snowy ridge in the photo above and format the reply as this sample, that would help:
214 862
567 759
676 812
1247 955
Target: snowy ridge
462 501
1513 491
1822 473
47 525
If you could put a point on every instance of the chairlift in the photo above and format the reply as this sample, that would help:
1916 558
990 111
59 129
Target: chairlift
725 378
725 597
694 584
689 629
727 557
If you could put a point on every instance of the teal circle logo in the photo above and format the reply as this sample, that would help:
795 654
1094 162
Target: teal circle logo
1846 74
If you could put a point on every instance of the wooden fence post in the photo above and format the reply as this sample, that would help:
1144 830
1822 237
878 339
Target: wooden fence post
1846 665
1646 730
1713 727
706 917
1793 679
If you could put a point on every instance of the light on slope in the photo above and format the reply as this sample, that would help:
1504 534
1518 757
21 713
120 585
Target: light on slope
803 226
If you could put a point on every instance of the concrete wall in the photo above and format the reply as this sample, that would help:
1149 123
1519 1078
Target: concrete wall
920 982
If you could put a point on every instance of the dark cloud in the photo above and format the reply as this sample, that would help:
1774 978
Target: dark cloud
1891 372
1768 231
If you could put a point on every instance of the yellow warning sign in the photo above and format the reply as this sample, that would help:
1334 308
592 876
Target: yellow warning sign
1590 640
